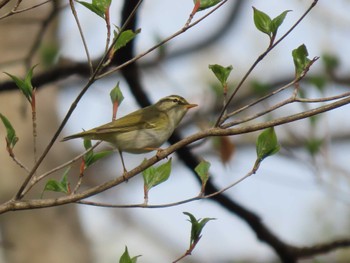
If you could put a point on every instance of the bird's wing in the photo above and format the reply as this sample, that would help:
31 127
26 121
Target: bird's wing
133 121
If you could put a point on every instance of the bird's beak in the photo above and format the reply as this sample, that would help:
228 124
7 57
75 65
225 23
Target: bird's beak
189 106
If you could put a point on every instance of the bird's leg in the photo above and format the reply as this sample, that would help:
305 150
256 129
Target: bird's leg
125 171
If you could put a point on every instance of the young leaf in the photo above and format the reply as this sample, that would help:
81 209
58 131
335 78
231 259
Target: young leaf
314 120
24 85
318 81
90 157
331 62
153 176
262 21
49 54
125 258
301 62
99 7
204 4
92 8
277 22
314 145
124 38
116 94
202 169
11 137
55 186
89 154
196 227
267 144
102 4
97 156
221 73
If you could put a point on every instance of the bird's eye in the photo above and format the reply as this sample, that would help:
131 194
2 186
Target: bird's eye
176 100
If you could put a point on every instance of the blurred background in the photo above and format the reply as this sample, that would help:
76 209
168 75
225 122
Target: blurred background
301 194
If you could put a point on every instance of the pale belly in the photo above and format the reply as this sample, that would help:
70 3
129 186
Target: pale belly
139 141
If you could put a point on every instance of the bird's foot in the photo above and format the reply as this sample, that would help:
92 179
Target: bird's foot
124 177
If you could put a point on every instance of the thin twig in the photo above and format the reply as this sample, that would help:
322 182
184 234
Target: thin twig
17 204
19 163
179 32
259 114
38 39
257 61
108 27
34 128
188 251
76 188
289 100
3 3
57 168
15 11
324 99
17 5
92 79
71 2
261 99
188 200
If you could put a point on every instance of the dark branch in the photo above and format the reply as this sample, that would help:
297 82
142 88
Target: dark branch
67 69
60 72
131 75
305 252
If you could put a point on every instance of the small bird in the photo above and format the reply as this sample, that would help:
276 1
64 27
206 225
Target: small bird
143 130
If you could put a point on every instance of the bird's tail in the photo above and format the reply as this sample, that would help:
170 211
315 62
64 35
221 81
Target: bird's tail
83 134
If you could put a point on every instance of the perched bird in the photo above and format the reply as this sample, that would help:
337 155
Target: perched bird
143 130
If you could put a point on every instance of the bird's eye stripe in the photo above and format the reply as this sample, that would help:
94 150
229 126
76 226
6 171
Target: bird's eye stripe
175 99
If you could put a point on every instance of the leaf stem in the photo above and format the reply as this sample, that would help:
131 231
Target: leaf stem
220 118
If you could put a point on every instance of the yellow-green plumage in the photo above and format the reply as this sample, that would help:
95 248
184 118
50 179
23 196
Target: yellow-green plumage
143 130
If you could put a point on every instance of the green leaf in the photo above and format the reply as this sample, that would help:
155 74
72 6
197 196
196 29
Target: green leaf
330 61
314 120
125 258
314 145
116 94
24 85
90 157
102 4
99 7
48 54
262 21
97 156
301 62
196 227
87 144
204 4
93 8
267 144
320 82
153 176
89 154
124 38
277 22
21 85
221 73
62 186
11 137
202 169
